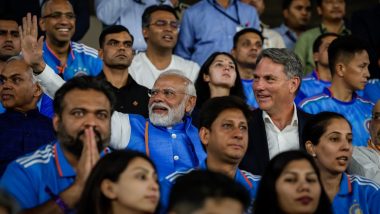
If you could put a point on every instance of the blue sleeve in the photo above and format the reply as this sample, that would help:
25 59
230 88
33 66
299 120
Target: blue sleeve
185 45
19 184
97 67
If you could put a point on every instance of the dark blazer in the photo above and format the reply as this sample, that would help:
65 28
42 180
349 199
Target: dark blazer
257 156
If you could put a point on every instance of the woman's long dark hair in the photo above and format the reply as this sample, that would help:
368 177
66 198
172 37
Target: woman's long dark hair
111 166
203 90
267 200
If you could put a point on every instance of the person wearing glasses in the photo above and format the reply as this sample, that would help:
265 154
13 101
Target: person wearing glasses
67 58
160 27
366 160
167 137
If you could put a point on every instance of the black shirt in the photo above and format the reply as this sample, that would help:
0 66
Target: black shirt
132 98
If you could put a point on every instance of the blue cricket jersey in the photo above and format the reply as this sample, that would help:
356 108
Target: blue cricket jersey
357 195
311 85
357 112
82 60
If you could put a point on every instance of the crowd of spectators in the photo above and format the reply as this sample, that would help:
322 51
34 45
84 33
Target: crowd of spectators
187 109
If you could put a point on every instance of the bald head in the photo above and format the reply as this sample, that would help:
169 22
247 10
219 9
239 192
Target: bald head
18 88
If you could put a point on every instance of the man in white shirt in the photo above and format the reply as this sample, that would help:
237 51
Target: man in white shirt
276 126
160 27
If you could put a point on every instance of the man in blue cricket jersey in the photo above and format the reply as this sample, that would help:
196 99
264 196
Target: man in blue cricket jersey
67 58
320 77
51 179
224 135
348 60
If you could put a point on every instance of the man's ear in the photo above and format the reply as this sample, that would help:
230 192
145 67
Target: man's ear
145 33
190 104
204 135
37 90
100 53
294 84
340 69
41 23
107 187
56 121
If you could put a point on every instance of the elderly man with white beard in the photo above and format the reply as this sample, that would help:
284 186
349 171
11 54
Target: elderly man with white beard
167 137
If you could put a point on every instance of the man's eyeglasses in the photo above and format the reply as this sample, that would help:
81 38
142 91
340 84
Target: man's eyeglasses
168 93
59 15
164 23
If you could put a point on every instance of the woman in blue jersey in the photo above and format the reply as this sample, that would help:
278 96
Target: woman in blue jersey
217 77
328 138
121 182
291 184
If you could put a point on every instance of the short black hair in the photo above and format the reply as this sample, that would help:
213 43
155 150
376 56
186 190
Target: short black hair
244 31
82 83
110 30
319 2
318 41
145 19
212 108
344 48
191 191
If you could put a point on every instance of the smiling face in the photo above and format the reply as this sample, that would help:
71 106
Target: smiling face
334 150
117 50
273 90
168 105
160 33
298 189
222 72
10 44
227 138
332 9
59 22
138 178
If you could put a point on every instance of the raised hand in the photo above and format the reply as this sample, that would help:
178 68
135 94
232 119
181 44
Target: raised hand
31 48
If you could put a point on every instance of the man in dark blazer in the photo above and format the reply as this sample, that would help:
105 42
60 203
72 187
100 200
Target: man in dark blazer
277 125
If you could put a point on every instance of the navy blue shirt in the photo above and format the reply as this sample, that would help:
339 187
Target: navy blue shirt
21 133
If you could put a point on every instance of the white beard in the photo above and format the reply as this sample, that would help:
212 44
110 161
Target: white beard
173 116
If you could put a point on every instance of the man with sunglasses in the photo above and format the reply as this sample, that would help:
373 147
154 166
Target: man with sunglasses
160 28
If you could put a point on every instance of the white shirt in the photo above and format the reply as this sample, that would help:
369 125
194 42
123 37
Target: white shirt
145 73
280 141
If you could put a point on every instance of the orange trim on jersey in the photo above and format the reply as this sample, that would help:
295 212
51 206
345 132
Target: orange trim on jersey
246 179
57 161
146 136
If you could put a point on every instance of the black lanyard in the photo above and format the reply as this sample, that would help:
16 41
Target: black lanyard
237 21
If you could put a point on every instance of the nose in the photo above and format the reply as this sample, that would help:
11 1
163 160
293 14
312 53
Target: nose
9 37
154 185
366 73
90 120
303 186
